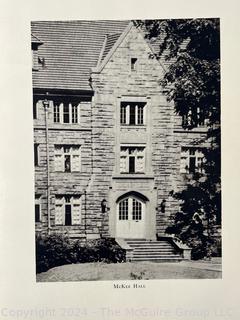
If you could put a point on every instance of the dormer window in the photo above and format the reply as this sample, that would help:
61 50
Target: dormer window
35 65
35 58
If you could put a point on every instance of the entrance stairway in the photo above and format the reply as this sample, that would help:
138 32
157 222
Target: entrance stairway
158 251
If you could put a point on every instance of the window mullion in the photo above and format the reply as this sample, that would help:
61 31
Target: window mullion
136 114
144 114
128 114
78 113
130 208
62 160
70 112
64 211
61 112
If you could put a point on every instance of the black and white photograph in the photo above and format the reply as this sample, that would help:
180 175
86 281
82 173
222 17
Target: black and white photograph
127 149
119 174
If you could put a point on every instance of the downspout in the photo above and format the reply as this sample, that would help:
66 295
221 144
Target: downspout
91 167
46 107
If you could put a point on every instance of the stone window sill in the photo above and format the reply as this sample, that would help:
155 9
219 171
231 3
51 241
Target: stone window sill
133 126
193 130
133 176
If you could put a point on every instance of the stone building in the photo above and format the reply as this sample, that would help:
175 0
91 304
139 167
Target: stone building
108 147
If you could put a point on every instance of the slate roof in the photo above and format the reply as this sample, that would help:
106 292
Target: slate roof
70 49
110 40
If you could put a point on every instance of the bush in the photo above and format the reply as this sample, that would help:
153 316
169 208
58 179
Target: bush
203 247
195 235
52 251
217 248
56 249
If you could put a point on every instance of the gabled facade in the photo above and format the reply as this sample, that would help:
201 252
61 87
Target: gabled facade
109 148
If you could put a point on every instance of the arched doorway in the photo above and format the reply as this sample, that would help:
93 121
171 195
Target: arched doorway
130 220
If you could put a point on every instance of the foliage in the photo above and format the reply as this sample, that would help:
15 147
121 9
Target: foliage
192 80
57 249
137 276
192 48
52 251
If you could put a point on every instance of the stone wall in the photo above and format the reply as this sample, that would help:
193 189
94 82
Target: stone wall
114 83
100 135
62 183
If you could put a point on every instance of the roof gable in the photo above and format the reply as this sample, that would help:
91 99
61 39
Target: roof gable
118 42
110 52
71 49
111 39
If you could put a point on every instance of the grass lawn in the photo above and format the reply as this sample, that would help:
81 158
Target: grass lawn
127 271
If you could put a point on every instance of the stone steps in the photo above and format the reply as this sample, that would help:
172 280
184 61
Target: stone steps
150 246
158 259
158 251
150 250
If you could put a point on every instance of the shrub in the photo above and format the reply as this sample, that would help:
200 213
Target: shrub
56 249
137 276
203 247
109 251
217 248
106 250
52 251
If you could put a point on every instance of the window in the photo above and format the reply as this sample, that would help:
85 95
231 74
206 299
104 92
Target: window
36 155
130 209
66 113
37 105
123 114
132 113
34 109
56 113
133 64
123 210
132 160
194 119
35 63
74 114
35 43
137 210
192 160
67 158
67 210
37 209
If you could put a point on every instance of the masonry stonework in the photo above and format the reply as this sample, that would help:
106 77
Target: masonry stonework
101 135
